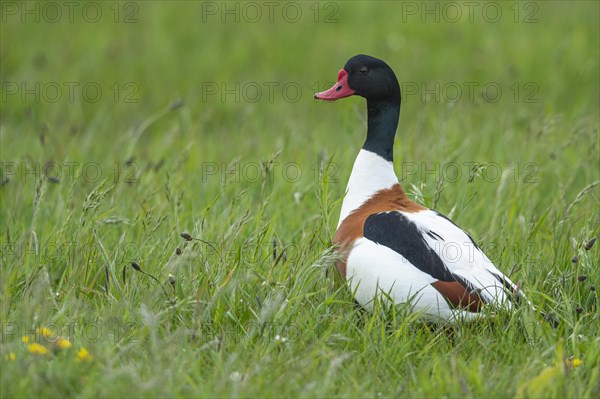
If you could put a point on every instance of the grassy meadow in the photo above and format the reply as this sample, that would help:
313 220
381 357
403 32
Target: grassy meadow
170 190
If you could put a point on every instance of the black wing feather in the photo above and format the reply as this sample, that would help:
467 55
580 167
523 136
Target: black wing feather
398 233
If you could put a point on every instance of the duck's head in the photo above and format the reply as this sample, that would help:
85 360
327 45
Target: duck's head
364 76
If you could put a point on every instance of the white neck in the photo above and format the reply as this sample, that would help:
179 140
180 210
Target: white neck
370 174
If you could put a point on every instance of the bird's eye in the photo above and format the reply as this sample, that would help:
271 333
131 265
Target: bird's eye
364 70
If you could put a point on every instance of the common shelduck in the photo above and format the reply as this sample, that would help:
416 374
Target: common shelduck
392 245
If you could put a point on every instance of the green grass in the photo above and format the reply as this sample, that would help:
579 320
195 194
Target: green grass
240 318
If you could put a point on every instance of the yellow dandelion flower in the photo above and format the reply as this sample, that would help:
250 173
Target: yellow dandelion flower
575 362
11 357
25 339
63 343
84 356
44 332
37 349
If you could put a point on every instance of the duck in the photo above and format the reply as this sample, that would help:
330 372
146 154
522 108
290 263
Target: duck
392 248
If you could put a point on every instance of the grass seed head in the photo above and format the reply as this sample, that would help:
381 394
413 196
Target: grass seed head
575 259
588 245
